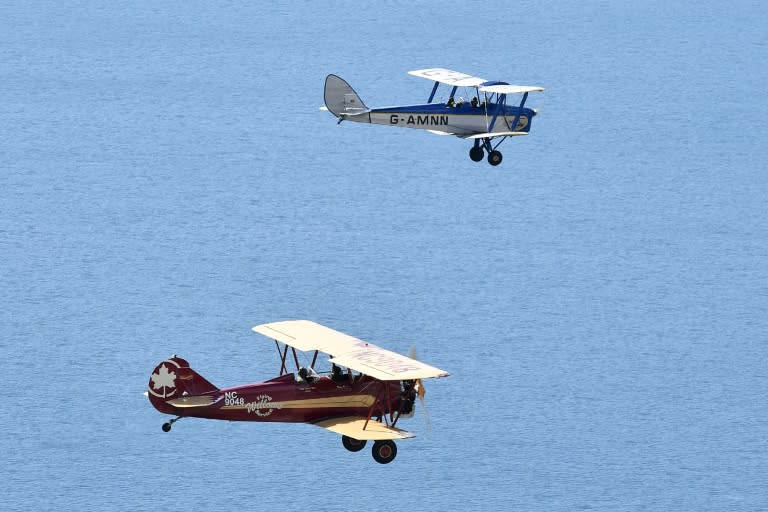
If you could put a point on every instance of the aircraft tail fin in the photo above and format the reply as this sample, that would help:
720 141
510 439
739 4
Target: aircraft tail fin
341 99
172 379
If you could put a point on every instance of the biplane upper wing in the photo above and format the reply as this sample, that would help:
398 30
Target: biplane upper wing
449 77
511 89
352 426
458 79
306 335
348 351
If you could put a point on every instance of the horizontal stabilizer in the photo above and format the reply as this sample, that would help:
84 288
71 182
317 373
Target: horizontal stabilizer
352 426
193 401
491 135
346 115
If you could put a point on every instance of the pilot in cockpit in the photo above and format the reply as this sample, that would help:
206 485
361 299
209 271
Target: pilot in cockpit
307 375
337 375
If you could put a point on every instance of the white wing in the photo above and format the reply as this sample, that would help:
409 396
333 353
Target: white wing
352 426
447 76
491 135
511 89
348 351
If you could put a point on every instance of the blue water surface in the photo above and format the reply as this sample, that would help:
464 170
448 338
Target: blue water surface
167 181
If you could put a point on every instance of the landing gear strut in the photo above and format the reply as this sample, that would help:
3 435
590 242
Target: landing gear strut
384 452
167 425
477 152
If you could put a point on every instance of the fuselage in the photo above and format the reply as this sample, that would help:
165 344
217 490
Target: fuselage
461 119
284 399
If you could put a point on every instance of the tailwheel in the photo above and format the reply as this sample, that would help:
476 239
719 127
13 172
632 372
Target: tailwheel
353 445
494 157
476 154
384 452
168 424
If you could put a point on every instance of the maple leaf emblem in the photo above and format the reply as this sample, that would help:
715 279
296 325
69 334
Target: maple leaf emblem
163 378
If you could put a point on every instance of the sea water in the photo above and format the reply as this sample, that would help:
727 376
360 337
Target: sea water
167 181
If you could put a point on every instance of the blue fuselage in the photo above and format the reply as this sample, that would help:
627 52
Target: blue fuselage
461 119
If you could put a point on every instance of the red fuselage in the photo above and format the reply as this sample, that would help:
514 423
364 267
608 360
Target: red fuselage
282 399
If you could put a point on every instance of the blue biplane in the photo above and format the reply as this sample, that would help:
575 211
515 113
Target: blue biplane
484 117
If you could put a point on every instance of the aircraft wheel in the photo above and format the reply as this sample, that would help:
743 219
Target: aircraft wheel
384 452
476 154
166 427
353 445
494 157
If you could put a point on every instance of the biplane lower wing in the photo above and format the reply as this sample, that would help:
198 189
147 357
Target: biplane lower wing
491 135
356 428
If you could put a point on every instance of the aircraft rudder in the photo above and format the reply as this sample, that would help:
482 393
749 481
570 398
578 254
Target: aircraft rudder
174 378
341 98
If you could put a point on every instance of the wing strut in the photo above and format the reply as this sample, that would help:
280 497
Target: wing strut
390 422
499 107
282 354
314 359
520 111
434 90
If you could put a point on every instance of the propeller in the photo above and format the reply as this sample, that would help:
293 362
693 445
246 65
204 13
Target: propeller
421 391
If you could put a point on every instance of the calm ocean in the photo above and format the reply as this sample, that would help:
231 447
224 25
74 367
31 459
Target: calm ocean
600 299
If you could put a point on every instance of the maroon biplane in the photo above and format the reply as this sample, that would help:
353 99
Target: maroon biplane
366 392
